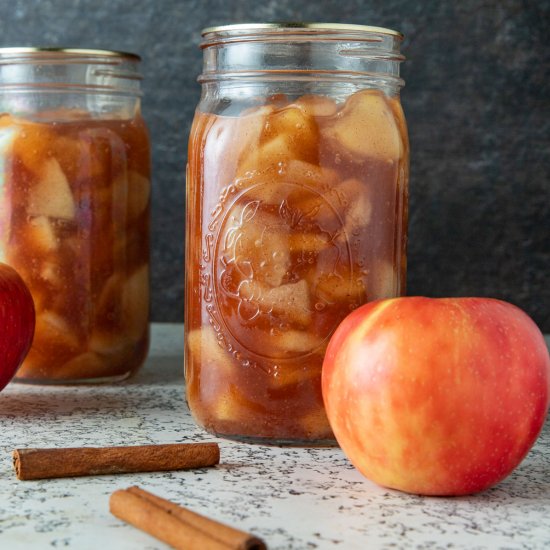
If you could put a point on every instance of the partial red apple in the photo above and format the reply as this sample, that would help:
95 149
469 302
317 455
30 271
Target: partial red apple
16 322
437 396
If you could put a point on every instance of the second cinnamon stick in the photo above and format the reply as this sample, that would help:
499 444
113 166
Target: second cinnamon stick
70 462
176 525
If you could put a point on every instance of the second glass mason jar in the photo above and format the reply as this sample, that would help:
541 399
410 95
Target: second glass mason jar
296 215
74 208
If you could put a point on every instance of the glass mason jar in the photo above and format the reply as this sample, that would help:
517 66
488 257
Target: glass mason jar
296 215
74 208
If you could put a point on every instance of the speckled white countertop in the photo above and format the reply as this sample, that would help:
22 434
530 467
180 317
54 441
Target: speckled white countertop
291 497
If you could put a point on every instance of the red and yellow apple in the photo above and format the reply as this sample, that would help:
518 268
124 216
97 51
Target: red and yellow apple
16 322
436 396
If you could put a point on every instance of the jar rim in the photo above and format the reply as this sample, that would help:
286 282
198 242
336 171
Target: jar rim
78 52
66 70
301 26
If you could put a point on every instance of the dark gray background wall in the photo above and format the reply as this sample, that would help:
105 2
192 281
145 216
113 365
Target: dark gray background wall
477 100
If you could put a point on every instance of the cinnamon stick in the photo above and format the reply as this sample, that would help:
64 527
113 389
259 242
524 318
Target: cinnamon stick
85 461
177 526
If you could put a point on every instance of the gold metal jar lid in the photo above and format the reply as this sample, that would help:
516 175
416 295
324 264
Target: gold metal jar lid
76 52
300 26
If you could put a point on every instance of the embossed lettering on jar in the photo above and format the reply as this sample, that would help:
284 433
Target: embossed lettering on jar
74 208
296 215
